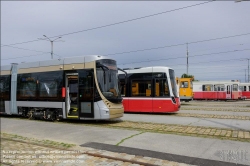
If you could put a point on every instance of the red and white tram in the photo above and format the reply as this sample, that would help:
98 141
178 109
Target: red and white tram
149 89
245 90
216 90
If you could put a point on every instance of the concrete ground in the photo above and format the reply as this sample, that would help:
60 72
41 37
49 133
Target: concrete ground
220 114
22 151
205 148
214 112
190 121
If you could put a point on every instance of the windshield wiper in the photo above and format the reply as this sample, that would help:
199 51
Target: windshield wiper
104 73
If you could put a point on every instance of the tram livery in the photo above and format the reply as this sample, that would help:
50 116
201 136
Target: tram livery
149 89
185 86
245 90
81 88
216 90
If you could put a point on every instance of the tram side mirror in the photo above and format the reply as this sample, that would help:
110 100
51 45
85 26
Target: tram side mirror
126 79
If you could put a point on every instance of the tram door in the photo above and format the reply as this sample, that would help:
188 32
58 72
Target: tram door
87 93
71 84
161 93
229 92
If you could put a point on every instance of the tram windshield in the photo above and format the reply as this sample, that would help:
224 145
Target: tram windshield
173 82
107 77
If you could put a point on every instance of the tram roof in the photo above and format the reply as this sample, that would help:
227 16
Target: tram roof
245 83
215 82
54 62
147 69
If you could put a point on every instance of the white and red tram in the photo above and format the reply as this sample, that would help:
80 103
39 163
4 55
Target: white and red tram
216 90
245 90
149 89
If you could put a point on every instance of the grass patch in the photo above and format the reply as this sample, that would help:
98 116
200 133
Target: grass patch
36 141
128 138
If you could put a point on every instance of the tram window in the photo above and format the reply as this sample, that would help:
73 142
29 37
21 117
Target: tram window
149 75
228 89
50 84
1 86
242 88
48 88
5 87
141 88
191 85
73 86
28 89
122 87
162 88
219 87
235 87
248 88
216 88
27 85
184 84
207 87
222 88
87 90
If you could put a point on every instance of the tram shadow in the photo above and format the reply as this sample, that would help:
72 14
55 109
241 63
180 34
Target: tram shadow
9 116
92 122
67 121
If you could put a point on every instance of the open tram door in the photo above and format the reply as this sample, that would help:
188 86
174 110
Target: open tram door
71 98
79 98
229 92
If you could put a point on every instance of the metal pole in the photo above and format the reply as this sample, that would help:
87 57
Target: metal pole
248 70
51 41
187 58
51 49
245 75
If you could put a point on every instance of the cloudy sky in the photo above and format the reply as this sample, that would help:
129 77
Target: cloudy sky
130 38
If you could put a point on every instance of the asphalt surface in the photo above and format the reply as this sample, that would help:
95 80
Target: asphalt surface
191 121
62 132
214 112
180 159
205 148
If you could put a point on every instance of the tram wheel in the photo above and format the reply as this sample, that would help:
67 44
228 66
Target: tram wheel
30 115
